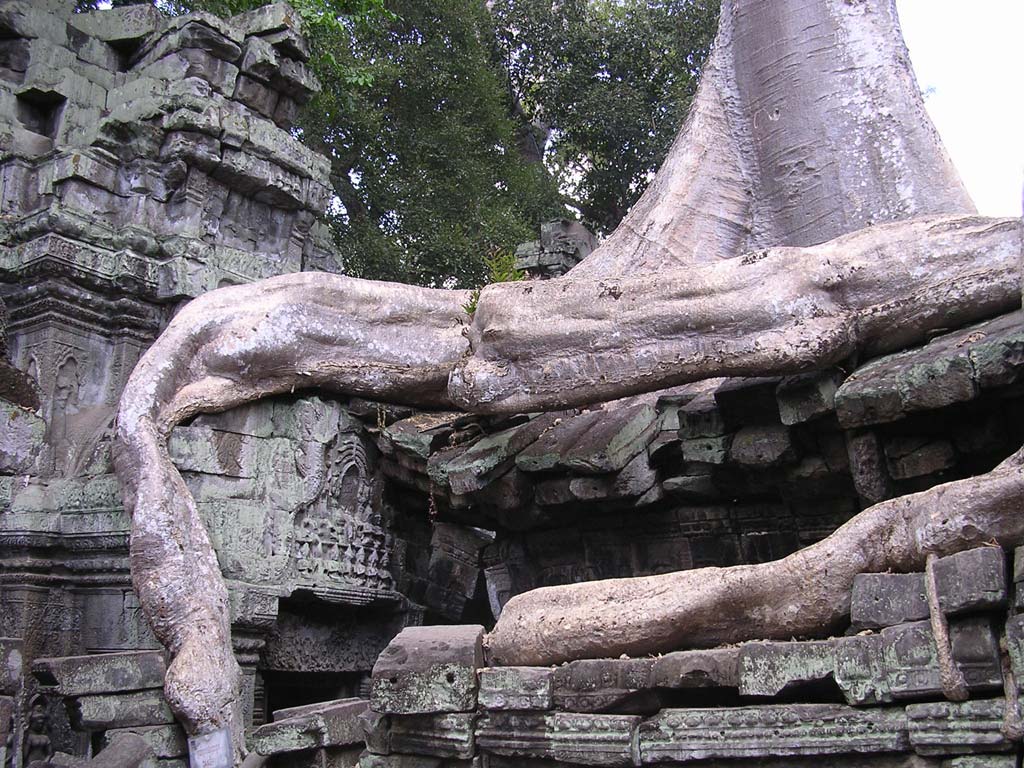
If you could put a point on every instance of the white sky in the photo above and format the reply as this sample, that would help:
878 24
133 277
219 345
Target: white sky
968 58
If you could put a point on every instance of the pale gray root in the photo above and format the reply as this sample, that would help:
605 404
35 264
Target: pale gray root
232 346
808 124
570 341
804 595
954 686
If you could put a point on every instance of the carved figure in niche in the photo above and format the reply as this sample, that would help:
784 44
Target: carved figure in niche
37 748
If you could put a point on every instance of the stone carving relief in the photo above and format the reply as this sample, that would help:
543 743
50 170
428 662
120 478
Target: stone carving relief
338 537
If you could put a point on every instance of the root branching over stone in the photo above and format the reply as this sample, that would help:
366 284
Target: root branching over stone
233 346
546 345
805 594
808 127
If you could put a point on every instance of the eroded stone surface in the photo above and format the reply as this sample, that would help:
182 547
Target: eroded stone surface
428 669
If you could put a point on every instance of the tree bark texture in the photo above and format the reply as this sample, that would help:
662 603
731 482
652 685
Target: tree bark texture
807 212
805 594
808 124
232 346
566 342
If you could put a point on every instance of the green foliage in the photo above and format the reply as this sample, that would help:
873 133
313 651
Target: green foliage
501 267
423 149
613 80
428 108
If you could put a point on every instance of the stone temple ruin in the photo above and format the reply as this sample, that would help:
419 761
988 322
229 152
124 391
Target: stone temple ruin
367 536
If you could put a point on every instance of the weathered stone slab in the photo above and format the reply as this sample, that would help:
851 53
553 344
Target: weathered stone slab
119 25
439 735
334 724
490 456
886 599
761 446
613 440
698 486
1018 578
587 739
701 417
7 709
428 669
860 670
545 454
717 668
128 750
102 673
125 710
421 434
910 457
869 396
376 731
975 651
23 433
166 741
596 685
971 581
368 760
11 665
770 731
807 396
519 688
948 728
868 467
706 450
767 669
936 383
982 761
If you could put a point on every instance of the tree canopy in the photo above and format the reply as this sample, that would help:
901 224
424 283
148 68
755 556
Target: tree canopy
454 127
610 82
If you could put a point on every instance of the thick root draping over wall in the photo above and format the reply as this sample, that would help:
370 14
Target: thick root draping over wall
805 594
808 126
570 341
543 345
233 346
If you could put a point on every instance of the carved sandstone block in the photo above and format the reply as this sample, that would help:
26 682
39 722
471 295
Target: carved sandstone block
766 669
947 728
587 739
901 663
11 665
367 760
770 731
335 724
807 396
521 688
970 581
718 668
886 599
428 669
125 710
166 741
439 735
595 685
103 673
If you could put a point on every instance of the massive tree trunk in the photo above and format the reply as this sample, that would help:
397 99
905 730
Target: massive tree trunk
808 124
806 153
